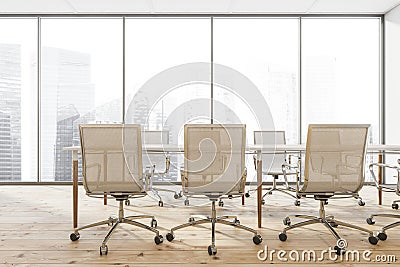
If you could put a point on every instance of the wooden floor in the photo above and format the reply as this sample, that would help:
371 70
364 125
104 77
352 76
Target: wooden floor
36 222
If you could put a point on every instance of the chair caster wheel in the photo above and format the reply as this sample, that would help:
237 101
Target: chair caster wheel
176 195
382 236
220 203
212 250
247 194
186 202
160 203
263 202
257 239
74 236
153 223
286 221
361 203
111 220
339 251
297 203
370 221
230 196
170 237
326 202
127 202
282 237
158 239
373 240
236 221
395 206
103 250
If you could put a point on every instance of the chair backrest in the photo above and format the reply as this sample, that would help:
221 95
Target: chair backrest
111 158
271 162
214 162
155 138
335 158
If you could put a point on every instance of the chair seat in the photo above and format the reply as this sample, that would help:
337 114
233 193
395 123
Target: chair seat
113 188
279 172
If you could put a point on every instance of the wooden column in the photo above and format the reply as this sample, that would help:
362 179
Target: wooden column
75 188
380 179
259 189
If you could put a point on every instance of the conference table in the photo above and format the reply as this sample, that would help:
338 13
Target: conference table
258 150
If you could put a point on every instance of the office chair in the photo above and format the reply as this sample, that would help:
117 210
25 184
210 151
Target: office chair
382 234
112 165
214 166
334 166
155 160
272 164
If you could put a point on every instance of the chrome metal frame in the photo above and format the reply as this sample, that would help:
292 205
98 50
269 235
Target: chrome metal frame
214 219
381 234
285 190
328 221
114 221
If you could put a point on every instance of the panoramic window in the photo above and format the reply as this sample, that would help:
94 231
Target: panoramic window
18 100
81 82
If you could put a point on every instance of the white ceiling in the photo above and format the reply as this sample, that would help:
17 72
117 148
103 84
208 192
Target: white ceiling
197 6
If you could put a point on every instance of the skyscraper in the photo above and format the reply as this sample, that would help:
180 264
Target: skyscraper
67 92
10 112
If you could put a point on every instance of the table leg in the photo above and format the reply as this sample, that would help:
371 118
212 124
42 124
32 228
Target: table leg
380 180
105 199
259 191
75 192
242 199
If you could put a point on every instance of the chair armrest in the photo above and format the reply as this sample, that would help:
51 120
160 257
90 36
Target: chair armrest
383 165
285 168
290 156
148 181
167 165
184 179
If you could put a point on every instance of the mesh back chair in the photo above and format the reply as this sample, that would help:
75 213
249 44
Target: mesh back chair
334 166
112 165
155 160
382 234
272 164
214 166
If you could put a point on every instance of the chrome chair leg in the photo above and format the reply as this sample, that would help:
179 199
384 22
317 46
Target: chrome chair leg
115 222
213 219
329 222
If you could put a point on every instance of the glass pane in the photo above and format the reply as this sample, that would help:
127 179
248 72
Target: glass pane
18 100
81 83
341 73
266 52
163 88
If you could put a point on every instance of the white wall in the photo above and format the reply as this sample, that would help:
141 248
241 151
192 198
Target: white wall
392 76
392 80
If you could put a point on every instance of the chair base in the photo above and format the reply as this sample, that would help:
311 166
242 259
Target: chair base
382 234
114 221
329 222
213 219
285 190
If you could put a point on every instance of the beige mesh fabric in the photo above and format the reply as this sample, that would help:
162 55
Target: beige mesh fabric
111 158
155 138
334 161
214 159
272 163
